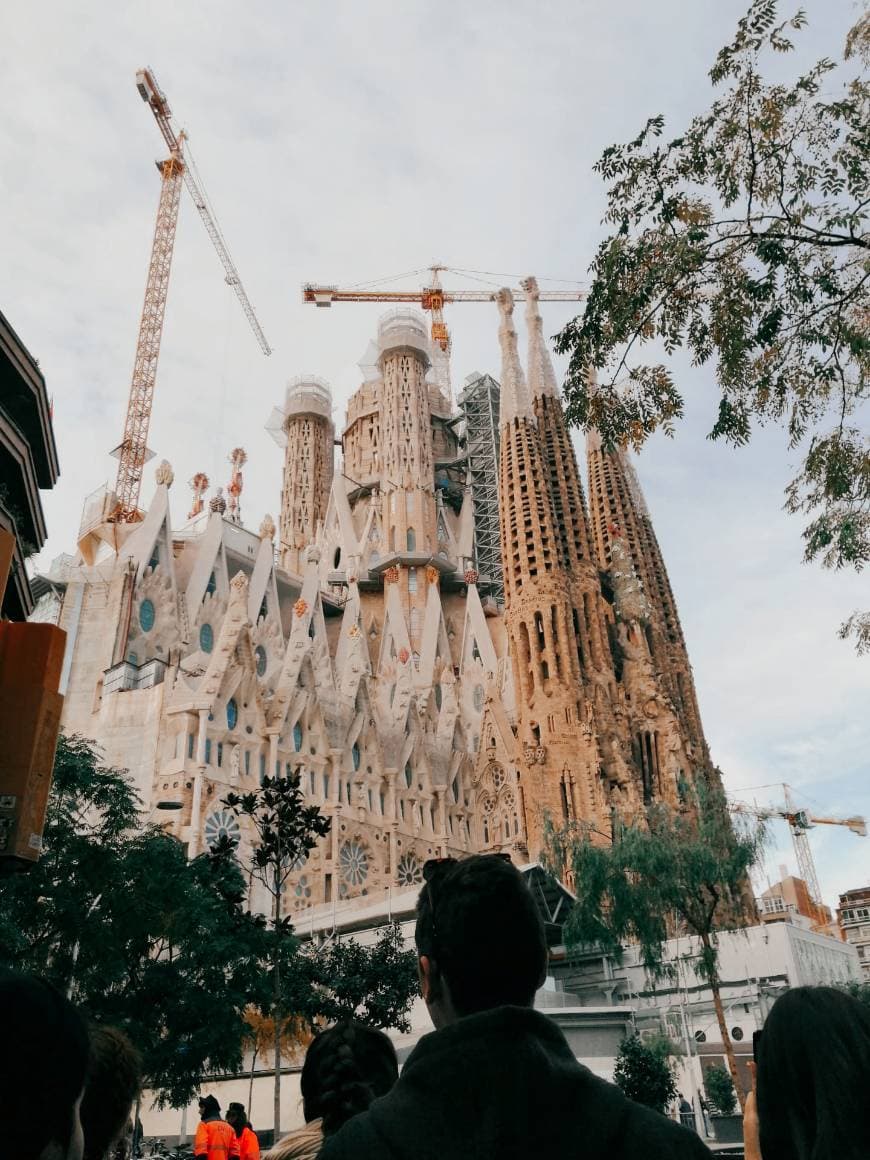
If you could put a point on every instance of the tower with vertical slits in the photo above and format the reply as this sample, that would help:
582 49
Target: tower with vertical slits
304 427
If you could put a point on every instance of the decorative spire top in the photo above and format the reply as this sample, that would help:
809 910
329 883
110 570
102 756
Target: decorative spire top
267 528
542 377
199 486
514 394
164 473
218 503
238 458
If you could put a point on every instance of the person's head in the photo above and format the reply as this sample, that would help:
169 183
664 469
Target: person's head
43 1066
345 1068
480 938
208 1107
237 1117
114 1080
813 1075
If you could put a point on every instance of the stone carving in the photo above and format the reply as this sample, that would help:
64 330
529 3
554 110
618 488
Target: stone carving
164 473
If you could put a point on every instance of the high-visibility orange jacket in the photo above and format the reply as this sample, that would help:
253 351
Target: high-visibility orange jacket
216 1140
249 1145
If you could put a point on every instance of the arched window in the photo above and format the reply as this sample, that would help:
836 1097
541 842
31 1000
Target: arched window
409 775
232 713
412 580
336 559
212 584
297 736
354 753
411 537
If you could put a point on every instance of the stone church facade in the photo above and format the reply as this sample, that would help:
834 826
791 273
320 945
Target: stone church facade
356 644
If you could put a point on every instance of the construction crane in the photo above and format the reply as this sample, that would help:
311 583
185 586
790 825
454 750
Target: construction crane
800 821
431 298
132 452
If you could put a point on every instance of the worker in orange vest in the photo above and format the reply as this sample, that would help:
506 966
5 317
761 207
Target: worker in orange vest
249 1145
215 1138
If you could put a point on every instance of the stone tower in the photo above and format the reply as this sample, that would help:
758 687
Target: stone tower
558 772
621 520
304 427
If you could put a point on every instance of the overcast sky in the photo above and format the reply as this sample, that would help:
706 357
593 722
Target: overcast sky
348 141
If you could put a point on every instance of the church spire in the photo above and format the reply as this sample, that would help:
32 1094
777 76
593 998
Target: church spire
542 376
620 515
515 402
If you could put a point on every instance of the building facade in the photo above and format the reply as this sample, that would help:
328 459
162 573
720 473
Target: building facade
853 915
367 652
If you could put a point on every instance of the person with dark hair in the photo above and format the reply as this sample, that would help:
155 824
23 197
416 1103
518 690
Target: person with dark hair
215 1138
496 1078
812 1079
249 1145
114 1080
346 1067
43 1066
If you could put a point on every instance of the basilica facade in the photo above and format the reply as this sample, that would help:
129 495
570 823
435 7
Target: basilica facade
357 643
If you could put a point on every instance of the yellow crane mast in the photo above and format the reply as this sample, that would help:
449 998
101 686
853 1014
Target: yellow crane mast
133 452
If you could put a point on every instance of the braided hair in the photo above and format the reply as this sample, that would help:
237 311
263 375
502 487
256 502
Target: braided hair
347 1066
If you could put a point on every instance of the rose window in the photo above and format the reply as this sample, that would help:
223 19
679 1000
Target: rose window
354 862
221 824
302 889
409 872
488 805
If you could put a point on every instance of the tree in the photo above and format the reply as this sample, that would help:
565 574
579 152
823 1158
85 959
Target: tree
644 1074
376 984
720 1090
666 872
286 832
745 241
115 915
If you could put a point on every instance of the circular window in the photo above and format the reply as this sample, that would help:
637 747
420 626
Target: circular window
354 862
409 872
260 654
146 615
221 824
206 638
737 1033
232 714
302 888
700 1037
477 697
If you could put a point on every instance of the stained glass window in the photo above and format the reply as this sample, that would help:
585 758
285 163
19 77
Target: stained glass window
297 736
146 615
232 714
354 753
206 638
354 862
262 659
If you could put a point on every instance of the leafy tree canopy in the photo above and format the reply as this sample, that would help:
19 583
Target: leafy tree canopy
644 1075
141 937
744 239
667 872
720 1089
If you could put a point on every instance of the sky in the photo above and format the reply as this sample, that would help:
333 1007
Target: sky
348 142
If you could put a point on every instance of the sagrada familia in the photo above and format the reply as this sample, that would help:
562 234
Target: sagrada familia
433 703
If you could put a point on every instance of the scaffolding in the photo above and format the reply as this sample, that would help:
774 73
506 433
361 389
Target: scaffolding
479 404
